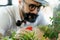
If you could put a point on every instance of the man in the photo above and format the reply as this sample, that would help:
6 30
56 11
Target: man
14 17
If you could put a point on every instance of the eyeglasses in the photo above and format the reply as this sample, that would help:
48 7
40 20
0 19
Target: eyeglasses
32 7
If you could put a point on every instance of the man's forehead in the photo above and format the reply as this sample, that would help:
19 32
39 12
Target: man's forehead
33 2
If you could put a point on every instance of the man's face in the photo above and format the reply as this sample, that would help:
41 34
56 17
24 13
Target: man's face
30 10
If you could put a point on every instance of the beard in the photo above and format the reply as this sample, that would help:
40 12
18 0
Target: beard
30 17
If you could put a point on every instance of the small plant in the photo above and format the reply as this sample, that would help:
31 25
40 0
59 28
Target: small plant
27 34
49 32
11 37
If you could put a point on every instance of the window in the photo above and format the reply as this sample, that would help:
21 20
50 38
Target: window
5 2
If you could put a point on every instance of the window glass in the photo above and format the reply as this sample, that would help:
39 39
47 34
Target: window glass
3 2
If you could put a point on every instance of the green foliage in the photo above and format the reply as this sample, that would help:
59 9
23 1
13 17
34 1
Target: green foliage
56 19
49 31
54 29
26 36
11 37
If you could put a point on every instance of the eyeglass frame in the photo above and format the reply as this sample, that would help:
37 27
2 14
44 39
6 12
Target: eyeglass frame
38 7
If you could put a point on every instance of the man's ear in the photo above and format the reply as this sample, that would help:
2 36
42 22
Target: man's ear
21 3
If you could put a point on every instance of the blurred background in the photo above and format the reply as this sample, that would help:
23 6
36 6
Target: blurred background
15 2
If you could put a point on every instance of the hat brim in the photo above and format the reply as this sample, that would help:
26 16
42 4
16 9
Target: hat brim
44 3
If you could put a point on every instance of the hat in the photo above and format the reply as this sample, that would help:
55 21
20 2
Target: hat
43 2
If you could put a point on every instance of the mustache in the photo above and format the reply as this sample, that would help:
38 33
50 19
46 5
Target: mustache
31 17
32 14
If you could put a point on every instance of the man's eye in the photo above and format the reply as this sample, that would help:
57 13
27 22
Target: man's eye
32 7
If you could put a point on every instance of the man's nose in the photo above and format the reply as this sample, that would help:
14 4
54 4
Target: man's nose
35 11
